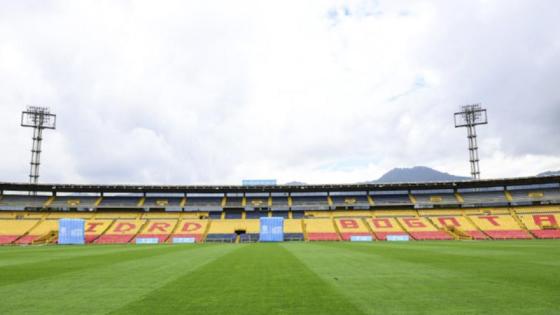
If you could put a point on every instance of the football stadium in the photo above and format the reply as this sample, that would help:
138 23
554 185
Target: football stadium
220 157
468 247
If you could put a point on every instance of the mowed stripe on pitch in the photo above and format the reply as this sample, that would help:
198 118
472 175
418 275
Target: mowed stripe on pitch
109 284
55 267
390 278
255 279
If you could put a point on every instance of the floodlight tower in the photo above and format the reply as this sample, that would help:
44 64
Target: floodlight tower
38 118
470 117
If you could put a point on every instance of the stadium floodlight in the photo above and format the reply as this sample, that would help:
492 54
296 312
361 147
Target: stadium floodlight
38 118
470 117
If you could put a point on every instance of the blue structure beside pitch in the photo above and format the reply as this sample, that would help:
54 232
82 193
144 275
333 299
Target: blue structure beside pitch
272 229
71 231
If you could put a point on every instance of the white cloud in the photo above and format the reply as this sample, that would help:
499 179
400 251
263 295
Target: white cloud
317 91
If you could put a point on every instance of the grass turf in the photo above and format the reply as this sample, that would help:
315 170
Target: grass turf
508 277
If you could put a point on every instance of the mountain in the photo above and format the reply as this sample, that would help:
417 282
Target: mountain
550 173
295 184
417 174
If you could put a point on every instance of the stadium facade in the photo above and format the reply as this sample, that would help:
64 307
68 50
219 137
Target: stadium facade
518 208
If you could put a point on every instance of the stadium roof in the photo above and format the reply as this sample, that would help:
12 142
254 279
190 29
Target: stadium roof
521 181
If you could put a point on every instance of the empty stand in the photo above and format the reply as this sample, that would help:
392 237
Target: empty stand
191 229
44 227
350 202
119 202
320 230
293 230
542 225
422 229
382 227
122 231
95 228
349 227
458 225
391 199
484 198
160 229
500 226
11 230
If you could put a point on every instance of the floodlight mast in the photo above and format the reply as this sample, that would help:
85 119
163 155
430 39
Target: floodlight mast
38 118
470 117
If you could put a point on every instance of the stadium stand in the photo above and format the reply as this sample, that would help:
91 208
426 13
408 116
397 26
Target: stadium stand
457 225
228 230
542 225
119 202
350 202
293 230
500 226
523 208
484 198
191 229
320 230
160 229
121 231
21 202
95 228
349 227
396 199
199 203
382 227
309 202
11 230
43 229
442 198
422 229
162 202
528 196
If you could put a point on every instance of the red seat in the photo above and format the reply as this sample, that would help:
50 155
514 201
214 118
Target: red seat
91 238
322 236
477 235
508 234
7 239
546 233
347 236
383 235
114 239
431 235
28 239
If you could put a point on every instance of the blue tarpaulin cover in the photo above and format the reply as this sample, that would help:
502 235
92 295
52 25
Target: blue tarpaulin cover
272 229
71 231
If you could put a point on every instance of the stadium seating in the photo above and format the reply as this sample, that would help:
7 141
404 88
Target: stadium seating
160 229
422 229
44 227
70 215
349 227
382 227
119 202
122 231
293 230
11 230
458 225
320 230
95 228
191 228
500 226
542 225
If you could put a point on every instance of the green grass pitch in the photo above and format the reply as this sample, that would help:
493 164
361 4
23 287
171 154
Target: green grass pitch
489 277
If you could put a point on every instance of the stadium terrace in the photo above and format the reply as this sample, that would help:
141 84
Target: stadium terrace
519 208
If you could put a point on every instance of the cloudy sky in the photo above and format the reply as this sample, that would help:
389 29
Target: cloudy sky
212 92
